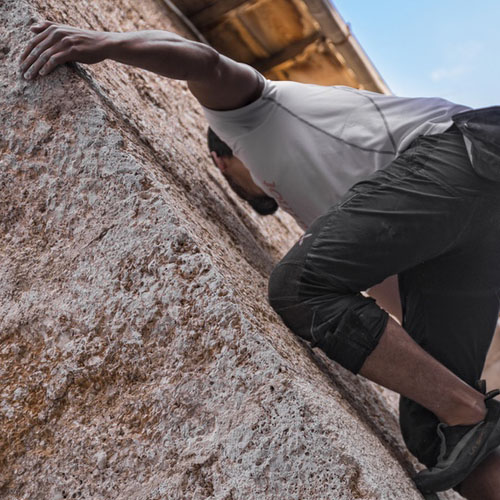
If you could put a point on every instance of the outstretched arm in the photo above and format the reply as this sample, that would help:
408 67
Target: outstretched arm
215 80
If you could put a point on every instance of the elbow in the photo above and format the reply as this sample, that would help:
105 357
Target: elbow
202 65
213 63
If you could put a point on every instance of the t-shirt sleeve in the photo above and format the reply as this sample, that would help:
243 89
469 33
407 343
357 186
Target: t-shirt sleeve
234 123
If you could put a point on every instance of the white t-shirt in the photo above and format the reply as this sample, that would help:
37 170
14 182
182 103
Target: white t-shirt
305 145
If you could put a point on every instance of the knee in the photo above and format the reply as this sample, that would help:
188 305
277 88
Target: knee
345 325
284 297
281 281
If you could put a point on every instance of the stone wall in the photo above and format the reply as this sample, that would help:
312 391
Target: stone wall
139 357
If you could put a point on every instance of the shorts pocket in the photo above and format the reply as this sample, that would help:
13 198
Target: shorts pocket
481 128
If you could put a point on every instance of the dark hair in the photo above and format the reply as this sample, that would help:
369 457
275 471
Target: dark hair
263 205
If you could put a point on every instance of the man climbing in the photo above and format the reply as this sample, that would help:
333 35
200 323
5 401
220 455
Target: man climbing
385 186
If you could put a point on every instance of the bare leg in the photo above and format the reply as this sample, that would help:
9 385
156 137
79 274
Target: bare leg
390 364
491 371
400 364
484 482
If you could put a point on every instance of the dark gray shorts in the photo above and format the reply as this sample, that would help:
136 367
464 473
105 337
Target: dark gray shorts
432 220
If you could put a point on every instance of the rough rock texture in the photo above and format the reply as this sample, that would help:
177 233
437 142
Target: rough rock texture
139 357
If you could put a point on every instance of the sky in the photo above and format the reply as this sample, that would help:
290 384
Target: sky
438 48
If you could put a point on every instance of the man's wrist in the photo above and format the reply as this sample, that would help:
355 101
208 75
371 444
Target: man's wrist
113 45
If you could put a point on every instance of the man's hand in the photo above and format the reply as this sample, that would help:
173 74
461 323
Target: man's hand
57 44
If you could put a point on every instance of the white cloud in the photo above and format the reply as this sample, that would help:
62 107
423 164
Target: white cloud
449 73
461 58
469 49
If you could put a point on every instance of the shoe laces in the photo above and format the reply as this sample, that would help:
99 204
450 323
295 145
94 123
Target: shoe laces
491 394
481 387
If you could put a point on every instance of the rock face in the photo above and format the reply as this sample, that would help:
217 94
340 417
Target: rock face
139 357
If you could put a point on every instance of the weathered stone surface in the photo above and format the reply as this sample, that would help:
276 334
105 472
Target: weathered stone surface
139 357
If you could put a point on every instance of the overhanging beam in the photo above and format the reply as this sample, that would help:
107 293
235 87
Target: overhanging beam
287 53
333 26
213 13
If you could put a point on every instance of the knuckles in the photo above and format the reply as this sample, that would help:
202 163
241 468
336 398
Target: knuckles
58 32
56 37
70 40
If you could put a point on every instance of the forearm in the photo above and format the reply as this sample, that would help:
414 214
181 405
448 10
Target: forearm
164 53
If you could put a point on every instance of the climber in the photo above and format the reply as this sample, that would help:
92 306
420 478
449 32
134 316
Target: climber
384 186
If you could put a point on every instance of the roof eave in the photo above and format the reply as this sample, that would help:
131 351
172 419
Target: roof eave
334 27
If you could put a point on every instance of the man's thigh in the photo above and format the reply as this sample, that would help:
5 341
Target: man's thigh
412 211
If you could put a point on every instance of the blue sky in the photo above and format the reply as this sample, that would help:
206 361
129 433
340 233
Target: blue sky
445 48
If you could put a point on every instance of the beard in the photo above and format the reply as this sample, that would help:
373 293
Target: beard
263 205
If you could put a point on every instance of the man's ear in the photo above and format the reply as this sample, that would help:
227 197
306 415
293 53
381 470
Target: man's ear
219 161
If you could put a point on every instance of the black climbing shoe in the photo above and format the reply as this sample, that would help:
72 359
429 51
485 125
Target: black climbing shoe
463 447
